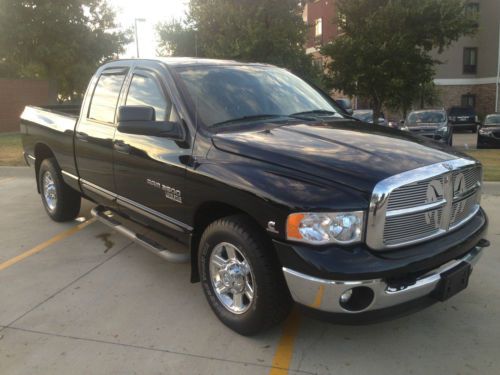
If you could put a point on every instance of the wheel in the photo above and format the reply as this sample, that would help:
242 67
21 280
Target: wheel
61 202
241 277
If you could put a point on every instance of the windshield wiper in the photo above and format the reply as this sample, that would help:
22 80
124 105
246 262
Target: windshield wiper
315 112
248 118
323 113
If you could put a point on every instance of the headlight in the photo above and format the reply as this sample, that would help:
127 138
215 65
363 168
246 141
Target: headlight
322 228
485 131
443 129
404 128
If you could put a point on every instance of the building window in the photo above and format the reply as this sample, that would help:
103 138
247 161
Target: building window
472 10
469 100
470 60
318 31
318 27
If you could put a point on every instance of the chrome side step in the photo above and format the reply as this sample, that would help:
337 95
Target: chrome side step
106 217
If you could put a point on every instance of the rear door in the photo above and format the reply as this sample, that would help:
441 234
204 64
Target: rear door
95 132
150 171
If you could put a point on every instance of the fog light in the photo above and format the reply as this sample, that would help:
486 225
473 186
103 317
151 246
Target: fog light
357 298
346 296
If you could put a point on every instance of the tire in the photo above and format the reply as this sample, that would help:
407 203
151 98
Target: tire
61 202
254 263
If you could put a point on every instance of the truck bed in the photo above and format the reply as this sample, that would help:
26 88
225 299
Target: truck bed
53 126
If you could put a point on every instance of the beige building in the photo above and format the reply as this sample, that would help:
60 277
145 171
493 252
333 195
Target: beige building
469 73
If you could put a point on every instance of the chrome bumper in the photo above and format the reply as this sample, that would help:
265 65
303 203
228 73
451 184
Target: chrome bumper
325 295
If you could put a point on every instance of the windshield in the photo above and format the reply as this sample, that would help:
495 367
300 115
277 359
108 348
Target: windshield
426 117
492 120
222 94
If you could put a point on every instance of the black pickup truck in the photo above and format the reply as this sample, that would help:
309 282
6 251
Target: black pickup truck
266 186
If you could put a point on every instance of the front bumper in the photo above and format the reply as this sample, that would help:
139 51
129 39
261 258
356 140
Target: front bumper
324 295
488 141
399 280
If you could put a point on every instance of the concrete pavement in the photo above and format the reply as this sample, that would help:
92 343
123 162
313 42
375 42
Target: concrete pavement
95 303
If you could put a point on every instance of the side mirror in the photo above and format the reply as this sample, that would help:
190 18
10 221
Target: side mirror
140 120
401 122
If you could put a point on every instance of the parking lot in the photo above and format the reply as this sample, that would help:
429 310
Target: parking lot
464 140
77 298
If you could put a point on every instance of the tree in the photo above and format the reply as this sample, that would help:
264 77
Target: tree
62 41
385 52
267 31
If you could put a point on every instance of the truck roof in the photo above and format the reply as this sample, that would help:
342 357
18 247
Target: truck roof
186 61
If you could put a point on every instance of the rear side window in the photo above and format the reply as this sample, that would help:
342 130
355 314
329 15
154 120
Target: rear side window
105 98
145 91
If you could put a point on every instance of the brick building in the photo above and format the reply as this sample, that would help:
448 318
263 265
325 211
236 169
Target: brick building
320 16
468 75
15 94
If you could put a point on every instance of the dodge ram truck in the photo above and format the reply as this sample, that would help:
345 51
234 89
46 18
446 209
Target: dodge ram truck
266 186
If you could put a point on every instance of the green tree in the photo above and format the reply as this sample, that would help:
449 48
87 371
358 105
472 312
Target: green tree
385 52
62 41
267 31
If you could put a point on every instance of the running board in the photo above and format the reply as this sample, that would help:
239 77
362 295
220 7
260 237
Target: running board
105 216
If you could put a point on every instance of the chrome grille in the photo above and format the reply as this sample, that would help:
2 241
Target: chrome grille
424 203
463 208
409 227
411 195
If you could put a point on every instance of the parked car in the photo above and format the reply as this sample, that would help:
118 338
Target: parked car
345 104
430 123
260 182
463 118
489 132
366 115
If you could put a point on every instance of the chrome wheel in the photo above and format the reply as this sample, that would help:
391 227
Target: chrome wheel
49 191
232 278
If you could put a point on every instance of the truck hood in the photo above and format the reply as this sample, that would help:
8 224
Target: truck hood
351 153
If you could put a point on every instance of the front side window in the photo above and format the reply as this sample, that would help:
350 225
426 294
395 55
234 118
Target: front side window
470 60
224 93
105 98
145 91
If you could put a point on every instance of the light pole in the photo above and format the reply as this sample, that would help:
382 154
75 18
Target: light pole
136 33
498 69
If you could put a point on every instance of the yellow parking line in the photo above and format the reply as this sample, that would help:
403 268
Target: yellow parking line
43 245
5 179
284 352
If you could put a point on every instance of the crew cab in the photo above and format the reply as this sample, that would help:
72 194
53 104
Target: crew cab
266 186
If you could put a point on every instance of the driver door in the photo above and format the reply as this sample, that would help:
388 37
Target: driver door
149 174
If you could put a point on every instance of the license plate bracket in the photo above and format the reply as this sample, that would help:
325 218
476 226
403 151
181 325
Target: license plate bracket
453 281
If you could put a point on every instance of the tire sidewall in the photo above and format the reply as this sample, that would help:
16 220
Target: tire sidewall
214 237
48 166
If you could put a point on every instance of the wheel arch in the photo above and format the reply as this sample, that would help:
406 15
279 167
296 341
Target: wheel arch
205 214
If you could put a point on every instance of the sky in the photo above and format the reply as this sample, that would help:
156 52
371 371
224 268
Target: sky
153 11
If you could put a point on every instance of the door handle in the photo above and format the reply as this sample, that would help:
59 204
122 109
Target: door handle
84 137
122 147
